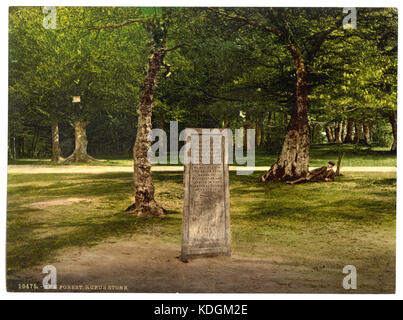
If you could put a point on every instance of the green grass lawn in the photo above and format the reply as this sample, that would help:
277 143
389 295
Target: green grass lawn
351 221
355 156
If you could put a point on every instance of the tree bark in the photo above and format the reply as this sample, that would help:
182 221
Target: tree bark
343 130
262 136
257 133
56 151
13 149
293 162
367 133
329 133
393 123
349 133
245 130
269 118
357 132
80 152
145 204
339 161
338 131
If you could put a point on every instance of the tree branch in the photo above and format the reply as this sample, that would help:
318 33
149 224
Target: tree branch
175 48
251 23
322 37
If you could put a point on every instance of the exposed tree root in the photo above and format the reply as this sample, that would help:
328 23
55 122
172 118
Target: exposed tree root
284 171
59 160
78 158
150 209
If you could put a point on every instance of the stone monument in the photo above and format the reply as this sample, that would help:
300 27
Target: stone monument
206 213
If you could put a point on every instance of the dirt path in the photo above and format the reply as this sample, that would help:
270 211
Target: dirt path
147 266
108 169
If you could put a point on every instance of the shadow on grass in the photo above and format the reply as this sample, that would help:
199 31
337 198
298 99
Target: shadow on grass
35 236
88 233
86 185
29 231
356 197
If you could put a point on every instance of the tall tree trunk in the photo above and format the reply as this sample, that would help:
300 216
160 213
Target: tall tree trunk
293 162
313 133
56 151
34 142
80 151
245 129
22 147
257 133
357 132
338 131
145 204
262 136
349 133
367 133
343 130
269 117
329 133
13 149
393 123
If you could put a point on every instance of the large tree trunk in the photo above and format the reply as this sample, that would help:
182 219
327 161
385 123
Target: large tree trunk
349 134
338 131
56 151
367 133
80 152
145 204
343 130
329 133
393 123
357 132
293 162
